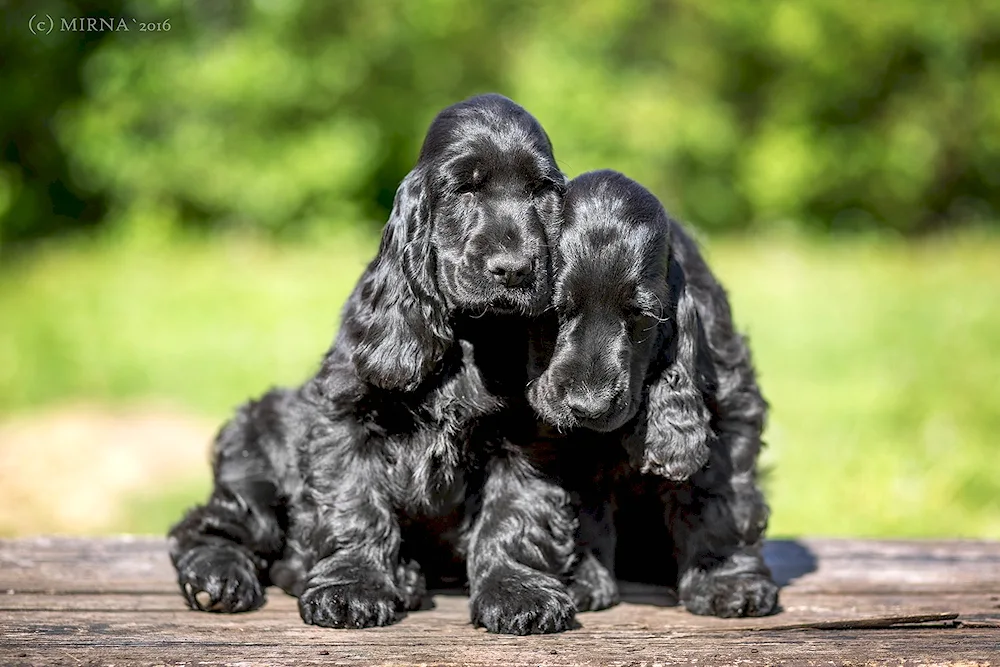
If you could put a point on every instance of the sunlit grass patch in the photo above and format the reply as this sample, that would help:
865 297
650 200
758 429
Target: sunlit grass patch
881 359
207 324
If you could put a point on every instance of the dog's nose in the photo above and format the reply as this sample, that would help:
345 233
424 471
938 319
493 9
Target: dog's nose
509 270
588 405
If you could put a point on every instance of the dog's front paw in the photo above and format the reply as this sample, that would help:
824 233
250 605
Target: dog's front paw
412 586
592 586
516 604
221 579
363 603
729 596
678 456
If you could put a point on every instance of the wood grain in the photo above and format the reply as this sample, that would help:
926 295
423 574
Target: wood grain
114 601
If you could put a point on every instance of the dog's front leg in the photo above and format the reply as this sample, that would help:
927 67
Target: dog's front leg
355 548
520 547
718 536
349 536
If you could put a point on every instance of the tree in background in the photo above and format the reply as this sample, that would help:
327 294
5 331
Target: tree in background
38 75
298 117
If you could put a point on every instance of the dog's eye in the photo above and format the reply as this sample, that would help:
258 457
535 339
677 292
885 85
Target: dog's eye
537 188
472 182
637 310
644 304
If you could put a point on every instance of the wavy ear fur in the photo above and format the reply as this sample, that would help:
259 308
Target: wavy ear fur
678 422
401 317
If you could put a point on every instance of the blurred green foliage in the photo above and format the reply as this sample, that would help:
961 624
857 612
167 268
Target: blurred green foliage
181 155
301 116
39 74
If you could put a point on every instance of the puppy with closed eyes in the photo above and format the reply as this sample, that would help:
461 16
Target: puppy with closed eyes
340 490
656 411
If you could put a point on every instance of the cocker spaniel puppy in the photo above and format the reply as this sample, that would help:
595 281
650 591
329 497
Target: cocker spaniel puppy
340 490
647 374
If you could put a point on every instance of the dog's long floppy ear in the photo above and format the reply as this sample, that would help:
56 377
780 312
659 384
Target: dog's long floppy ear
678 422
402 320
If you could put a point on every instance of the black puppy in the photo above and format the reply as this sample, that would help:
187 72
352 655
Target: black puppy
336 491
646 356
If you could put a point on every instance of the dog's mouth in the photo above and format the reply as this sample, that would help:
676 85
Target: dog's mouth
556 411
527 303
611 421
529 300
473 290
564 420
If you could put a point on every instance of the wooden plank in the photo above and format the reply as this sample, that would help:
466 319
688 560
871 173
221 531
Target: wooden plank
857 566
69 564
77 601
797 608
311 646
815 565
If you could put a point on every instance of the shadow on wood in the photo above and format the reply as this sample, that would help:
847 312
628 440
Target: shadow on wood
789 560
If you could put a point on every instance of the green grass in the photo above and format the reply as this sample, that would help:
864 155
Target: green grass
206 324
882 364
881 359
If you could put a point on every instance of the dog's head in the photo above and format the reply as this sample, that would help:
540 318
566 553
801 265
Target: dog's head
469 233
630 348
497 197
611 296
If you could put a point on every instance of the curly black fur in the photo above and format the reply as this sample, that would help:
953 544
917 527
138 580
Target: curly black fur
341 490
646 356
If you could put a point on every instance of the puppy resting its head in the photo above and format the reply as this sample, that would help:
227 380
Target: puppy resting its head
627 346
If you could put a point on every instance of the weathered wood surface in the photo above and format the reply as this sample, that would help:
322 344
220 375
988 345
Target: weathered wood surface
114 601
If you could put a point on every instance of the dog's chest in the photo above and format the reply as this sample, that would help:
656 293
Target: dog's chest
424 440
426 474
427 466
